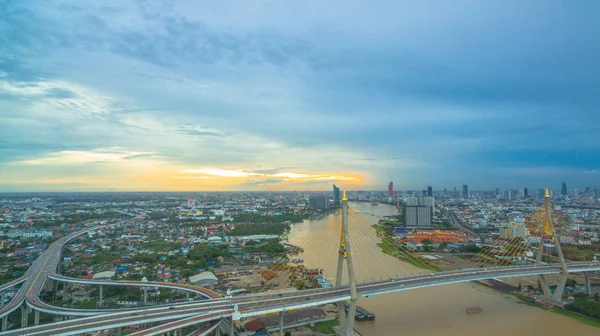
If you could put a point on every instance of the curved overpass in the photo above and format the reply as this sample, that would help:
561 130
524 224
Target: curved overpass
190 288
34 278
266 303
13 283
56 310
45 267
161 329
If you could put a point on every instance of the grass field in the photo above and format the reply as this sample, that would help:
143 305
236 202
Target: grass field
387 247
325 327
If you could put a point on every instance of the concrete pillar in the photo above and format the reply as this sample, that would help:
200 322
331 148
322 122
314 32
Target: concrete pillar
24 316
231 327
545 287
36 317
560 287
218 330
349 328
588 285
338 283
5 323
101 297
2 298
145 298
281 323
187 295
119 331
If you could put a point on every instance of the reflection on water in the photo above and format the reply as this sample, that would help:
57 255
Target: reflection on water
427 311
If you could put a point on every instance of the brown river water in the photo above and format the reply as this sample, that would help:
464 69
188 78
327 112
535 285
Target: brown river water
427 311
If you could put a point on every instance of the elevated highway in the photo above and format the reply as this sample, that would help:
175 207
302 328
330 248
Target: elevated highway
183 287
33 280
267 303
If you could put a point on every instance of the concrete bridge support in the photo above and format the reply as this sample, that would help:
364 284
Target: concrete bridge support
24 316
588 284
544 284
2 298
100 299
281 323
231 326
560 287
346 319
119 331
549 230
4 323
226 326
36 317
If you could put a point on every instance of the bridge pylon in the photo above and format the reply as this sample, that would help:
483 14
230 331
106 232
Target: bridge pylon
346 320
550 230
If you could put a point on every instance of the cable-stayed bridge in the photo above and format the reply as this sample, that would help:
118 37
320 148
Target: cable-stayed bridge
350 243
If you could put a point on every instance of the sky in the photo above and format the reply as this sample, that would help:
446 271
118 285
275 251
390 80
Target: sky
110 95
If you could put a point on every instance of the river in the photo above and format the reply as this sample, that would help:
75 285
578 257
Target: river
428 311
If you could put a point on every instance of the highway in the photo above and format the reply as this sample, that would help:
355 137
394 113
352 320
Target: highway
161 329
100 319
184 287
456 223
266 303
33 280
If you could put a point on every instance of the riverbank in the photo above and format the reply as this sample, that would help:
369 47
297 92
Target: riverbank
507 289
430 311
387 246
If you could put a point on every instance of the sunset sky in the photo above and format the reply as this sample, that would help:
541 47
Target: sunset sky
297 95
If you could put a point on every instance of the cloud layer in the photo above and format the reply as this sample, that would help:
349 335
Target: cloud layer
157 95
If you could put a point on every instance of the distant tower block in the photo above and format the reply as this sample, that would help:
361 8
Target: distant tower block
391 189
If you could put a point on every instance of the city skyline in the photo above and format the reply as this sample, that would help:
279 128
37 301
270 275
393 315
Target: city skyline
113 96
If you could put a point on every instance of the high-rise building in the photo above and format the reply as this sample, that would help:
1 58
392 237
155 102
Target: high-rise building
391 189
318 202
455 193
563 190
417 217
465 191
429 191
422 201
596 194
514 230
497 191
336 195
525 192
